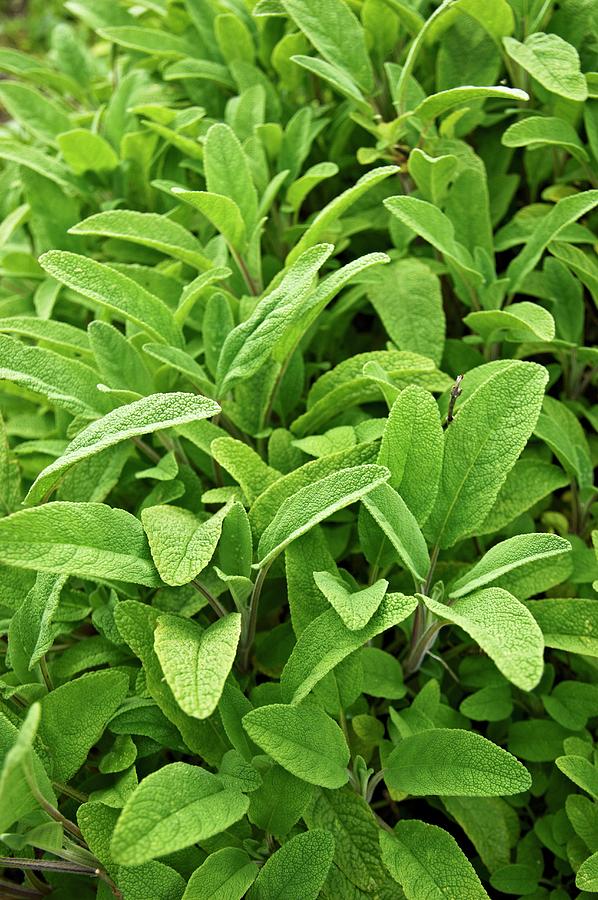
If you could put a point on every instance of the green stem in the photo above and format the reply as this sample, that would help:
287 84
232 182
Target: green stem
403 82
249 637
216 605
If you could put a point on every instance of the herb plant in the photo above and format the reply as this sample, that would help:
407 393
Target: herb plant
298 588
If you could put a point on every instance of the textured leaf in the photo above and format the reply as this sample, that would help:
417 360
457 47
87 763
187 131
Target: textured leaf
393 516
143 416
542 131
355 608
18 755
31 633
111 289
529 481
172 808
437 104
90 540
75 715
568 624
149 230
519 322
427 862
84 151
587 874
455 763
181 545
327 641
221 211
507 556
226 874
303 740
551 61
503 628
298 870
481 446
195 662
314 503
337 34
228 173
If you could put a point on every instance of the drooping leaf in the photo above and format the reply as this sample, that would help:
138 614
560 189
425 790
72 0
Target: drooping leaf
355 608
392 515
297 870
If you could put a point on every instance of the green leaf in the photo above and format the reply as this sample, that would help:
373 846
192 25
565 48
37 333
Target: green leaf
154 41
66 383
181 544
298 870
482 444
407 297
337 34
44 118
335 76
245 465
10 474
522 321
303 740
221 211
314 503
587 874
355 608
31 633
529 481
226 874
562 214
437 104
490 823
172 808
558 427
552 61
144 416
318 228
84 151
542 131
75 715
569 624
301 187
434 226
400 527
503 628
89 540
228 173
581 772
327 641
20 762
147 229
424 859
455 763
39 162
196 663
412 448
111 289
507 556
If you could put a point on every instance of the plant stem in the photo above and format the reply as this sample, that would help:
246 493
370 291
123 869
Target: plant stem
10 889
216 605
45 674
249 637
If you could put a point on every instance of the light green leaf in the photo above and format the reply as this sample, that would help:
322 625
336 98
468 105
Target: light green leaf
581 771
111 289
39 162
314 503
84 151
569 624
455 763
327 641
522 321
39 115
412 448
303 740
407 297
300 188
201 69
355 608
196 663
59 335
154 41
10 475
228 173
338 78
335 209
66 383
30 633
559 427
517 551
174 807
563 213
75 715
529 481
430 223
89 540
147 229
298 870
245 465
226 874
221 211
542 131
424 859
504 629
490 823
180 543
19 757
481 445
437 104
587 874
552 61
337 34
143 416
400 527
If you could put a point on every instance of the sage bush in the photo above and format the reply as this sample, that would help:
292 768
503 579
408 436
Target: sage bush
297 561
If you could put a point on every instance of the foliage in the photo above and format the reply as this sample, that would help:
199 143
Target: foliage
296 449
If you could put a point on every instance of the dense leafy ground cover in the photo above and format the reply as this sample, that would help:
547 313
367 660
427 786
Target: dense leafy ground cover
297 584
